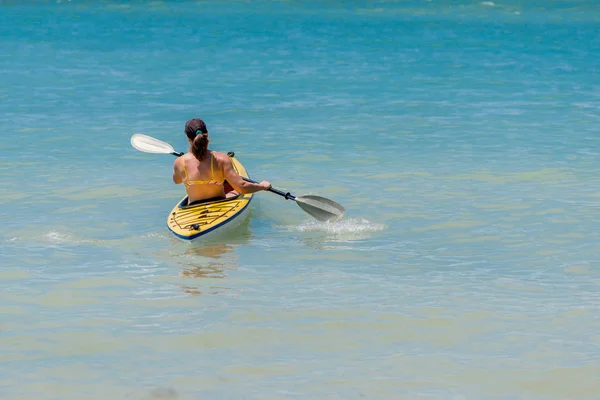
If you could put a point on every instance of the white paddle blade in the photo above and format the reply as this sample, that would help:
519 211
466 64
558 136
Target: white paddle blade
321 208
148 144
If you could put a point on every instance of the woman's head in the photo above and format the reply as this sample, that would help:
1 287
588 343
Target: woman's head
195 130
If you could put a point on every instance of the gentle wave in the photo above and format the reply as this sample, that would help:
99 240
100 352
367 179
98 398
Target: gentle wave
66 238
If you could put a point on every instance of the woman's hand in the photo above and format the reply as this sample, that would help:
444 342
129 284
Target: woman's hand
265 185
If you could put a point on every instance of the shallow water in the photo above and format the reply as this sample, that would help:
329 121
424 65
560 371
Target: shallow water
462 138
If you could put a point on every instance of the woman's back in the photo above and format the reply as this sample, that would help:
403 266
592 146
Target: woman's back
202 179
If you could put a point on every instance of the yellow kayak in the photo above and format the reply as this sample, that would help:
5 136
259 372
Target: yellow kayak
211 217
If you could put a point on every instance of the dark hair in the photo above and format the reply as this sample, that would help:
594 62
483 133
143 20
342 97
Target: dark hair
195 130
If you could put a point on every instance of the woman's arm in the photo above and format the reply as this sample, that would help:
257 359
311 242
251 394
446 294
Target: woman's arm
236 181
177 171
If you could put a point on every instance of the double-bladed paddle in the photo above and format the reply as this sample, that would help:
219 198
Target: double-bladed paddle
319 207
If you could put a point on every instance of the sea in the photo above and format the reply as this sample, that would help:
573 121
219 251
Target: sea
462 137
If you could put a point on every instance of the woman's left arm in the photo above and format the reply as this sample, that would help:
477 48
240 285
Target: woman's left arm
176 171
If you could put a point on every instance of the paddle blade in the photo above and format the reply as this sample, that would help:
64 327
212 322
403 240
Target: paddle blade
321 208
149 144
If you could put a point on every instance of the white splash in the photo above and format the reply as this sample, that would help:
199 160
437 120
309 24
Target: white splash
54 237
488 3
57 237
348 227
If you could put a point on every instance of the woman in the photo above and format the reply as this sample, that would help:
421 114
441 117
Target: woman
203 172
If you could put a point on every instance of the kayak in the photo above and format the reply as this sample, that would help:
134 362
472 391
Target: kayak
211 217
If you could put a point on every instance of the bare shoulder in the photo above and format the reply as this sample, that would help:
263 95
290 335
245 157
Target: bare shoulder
222 158
177 162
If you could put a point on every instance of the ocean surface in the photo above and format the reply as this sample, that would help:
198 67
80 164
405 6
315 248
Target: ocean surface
462 137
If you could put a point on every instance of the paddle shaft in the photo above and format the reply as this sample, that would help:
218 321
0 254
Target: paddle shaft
318 207
287 196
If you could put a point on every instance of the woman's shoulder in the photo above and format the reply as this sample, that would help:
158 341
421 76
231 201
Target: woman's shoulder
181 159
221 157
178 161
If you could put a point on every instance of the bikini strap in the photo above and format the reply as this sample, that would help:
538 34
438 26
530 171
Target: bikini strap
185 169
212 171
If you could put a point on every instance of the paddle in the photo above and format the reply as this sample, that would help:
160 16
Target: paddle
148 144
319 207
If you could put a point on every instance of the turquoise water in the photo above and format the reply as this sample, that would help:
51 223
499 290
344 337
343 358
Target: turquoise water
462 138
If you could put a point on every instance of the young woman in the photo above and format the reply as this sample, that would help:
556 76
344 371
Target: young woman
203 171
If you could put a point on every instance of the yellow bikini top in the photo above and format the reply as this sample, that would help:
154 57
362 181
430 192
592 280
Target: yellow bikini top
188 183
